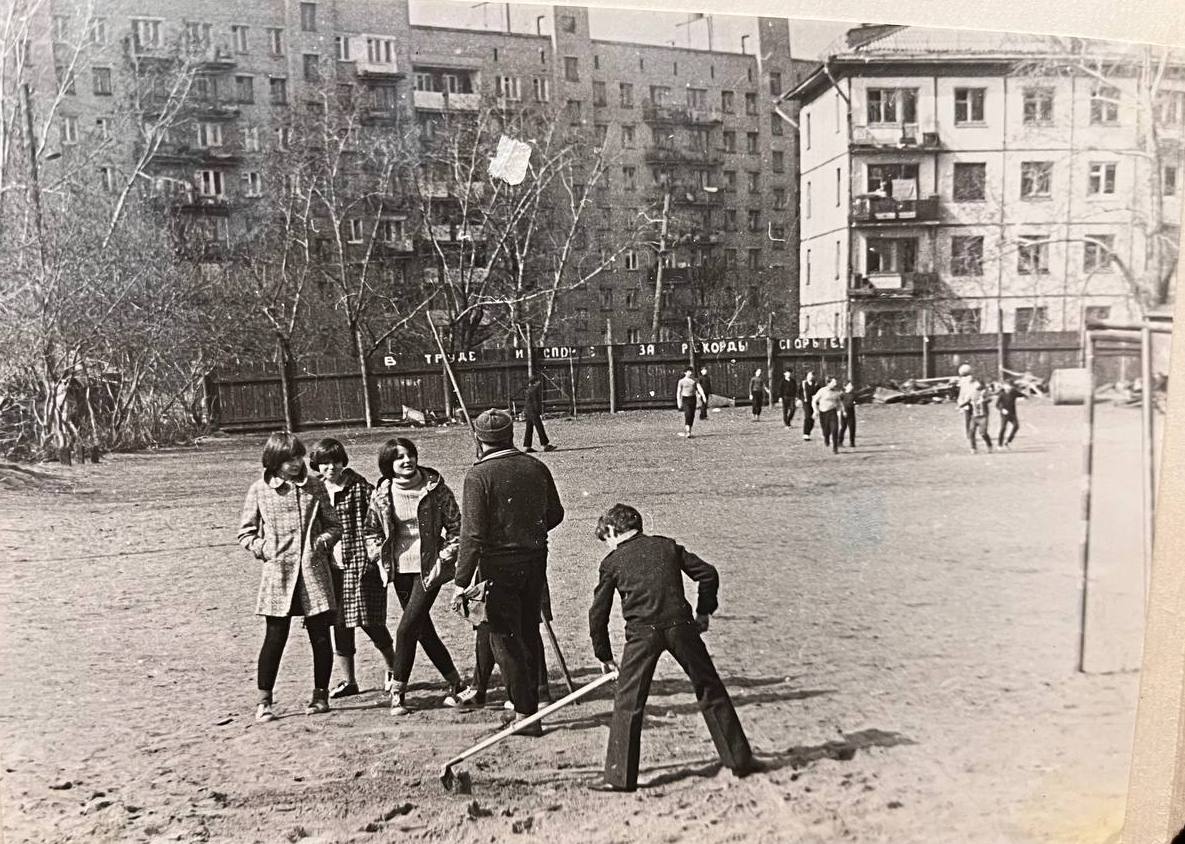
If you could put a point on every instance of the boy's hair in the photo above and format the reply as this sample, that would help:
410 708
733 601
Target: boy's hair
328 450
620 517
689 371
390 451
281 447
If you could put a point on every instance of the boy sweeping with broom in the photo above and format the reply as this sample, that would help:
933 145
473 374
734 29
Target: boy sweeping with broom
647 572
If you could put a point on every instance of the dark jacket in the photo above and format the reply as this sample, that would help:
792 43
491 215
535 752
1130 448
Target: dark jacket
788 390
1006 400
705 382
647 572
533 406
508 505
807 392
847 403
440 527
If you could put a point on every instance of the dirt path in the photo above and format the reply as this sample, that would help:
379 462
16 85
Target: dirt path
897 628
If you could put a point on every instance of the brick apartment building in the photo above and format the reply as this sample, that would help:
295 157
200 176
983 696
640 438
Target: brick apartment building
694 131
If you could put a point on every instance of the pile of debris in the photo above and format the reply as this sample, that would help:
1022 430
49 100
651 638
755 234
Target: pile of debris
946 388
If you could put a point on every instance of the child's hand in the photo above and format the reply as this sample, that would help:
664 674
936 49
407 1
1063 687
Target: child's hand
608 667
702 621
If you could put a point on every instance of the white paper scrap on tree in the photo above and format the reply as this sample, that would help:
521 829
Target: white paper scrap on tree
510 162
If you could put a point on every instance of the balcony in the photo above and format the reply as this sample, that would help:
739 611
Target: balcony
217 59
893 137
442 101
892 285
202 204
653 113
380 116
373 70
875 210
214 110
670 155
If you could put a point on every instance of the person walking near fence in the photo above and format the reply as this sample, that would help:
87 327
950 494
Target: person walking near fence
979 406
1006 405
826 403
359 586
705 384
412 531
289 524
807 394
788 393
963 402
847 414
509 504
687 392
757 393
533 415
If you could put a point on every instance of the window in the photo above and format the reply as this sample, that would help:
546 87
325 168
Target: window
629 176
631 299
754 259
1170 107
602 133
308 17
1038 105
883 177
809 199
806 130
966 255
730 181
1098 252
582 319
751 143
1032 255
341 45
238 37
145 33
697 99
567 23
606 298
750 103
353 230
599 97
283 137
890 324
970 182
68 81
312 71
98 31
102 80
103 128
700 139
1036 179
210 183
275 40
1104 104
778 162
625 91
963 321
278 90
892 105
730 219
775 124
1101 180
69 130
382 51
891 255
807 262
730 260
245 89
508 87
251 139
107 178
836 259
627 135
754 220
571 69
969 105
838 186
542 89
1168 180
574 111
1097 313
1031 319
451 82
754 179
727 104
197 34
423 81
775 83
633 335
205 88
209 135
631 259
61 28
384 97
729 139
659 94
292 183
252 184
779 199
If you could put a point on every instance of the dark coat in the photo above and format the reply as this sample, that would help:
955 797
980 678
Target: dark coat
440 528
533 406
787 390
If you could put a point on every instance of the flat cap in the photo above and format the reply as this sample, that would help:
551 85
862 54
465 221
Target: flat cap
494 426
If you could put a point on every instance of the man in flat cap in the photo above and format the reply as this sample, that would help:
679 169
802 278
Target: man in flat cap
508 505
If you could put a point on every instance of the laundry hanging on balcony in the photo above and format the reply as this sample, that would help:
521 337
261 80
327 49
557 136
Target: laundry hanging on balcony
511 160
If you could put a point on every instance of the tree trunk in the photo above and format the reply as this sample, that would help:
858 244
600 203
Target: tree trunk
364 372
287 388
656 319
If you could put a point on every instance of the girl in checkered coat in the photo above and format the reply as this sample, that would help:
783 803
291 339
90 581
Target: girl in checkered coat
360 587
290 525
413 529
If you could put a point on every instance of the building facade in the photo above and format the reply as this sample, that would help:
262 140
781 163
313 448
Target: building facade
694 136
977 182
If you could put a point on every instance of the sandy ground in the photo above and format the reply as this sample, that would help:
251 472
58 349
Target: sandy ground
898 628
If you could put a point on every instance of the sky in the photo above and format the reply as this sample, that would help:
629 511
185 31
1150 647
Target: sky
807 38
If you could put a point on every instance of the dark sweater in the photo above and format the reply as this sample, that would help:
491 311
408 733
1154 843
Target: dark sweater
647 571
807 392
508 504
788 389
534 402
1006 400
847 403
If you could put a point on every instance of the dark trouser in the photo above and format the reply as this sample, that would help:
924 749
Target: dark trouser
788 408
532 424
416 626
688 403
758 402
512 615
808 419
829 422
276 636
1005 423
703 409
967 420
343 636
638 661
979 426
484 663
847 425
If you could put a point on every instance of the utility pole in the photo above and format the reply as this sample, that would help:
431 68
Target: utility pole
658 271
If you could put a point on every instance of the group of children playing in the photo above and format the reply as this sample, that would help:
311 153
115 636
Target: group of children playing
975 400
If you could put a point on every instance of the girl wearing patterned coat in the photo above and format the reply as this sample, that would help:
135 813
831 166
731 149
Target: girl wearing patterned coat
290 525
359 585
412 530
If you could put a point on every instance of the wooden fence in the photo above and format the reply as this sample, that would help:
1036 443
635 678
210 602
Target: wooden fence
597 378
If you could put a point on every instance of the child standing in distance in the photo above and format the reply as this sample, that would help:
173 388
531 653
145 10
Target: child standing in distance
808 388
757 393
1006 404
533 415
963 402
978 405
847 414
687 391
788 393
826 402
359 586
647 572
289 523
705 384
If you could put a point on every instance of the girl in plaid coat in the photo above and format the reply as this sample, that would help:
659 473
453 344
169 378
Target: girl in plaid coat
290 525
360 587
413 529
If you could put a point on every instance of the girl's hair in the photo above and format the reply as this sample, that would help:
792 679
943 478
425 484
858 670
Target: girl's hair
390 451
281 447
620 517
328 450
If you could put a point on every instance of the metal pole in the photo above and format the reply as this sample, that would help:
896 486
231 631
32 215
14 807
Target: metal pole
610 355
925 344
851 348
572 381
1148 462
555 646
1000 361
1087 471
656 317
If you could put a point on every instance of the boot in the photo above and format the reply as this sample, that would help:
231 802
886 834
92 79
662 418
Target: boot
319 704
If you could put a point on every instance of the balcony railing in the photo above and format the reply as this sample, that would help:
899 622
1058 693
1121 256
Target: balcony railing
670 155
886 209
442 101
892 284
653 113
368 68
892 137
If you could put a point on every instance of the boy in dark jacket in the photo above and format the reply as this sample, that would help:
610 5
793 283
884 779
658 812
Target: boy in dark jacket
533 415
788 393
847 414
647 572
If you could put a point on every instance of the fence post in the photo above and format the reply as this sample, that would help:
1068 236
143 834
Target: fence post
769 356
925 356
448 390
609 355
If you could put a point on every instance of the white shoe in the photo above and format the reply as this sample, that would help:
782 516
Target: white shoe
389 683
264 713
508 706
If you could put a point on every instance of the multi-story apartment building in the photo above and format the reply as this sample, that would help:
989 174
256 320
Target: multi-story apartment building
691 131
966 182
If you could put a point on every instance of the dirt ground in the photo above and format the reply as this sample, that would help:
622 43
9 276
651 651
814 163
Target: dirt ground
897 626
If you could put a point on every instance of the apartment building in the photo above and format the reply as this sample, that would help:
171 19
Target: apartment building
691 131
975 182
